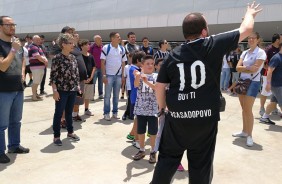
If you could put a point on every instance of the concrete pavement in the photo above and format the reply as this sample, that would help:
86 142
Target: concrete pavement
104 154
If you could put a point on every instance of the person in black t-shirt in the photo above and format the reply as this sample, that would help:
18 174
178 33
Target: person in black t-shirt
192 72
234 58
11 89
90 68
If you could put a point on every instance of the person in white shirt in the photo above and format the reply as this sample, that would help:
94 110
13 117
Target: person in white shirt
113 59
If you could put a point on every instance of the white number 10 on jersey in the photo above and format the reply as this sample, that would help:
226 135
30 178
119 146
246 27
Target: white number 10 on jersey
193 75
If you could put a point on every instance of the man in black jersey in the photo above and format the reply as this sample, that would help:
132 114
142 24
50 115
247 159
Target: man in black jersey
192 71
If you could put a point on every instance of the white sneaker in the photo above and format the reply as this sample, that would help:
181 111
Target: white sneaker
240 134
115 116
261 111
88 113
250 141
107 117
136 144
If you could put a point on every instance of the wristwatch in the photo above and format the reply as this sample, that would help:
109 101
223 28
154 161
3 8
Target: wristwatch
54 90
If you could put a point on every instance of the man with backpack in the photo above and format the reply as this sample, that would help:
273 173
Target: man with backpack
113 59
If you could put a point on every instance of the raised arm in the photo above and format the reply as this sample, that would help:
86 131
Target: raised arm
247 25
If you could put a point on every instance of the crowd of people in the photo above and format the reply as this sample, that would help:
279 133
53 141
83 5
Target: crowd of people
156 83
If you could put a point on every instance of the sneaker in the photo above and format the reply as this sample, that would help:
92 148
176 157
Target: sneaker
136 144
78 118
30 83
261 111
240 134
107 117
152 158
139 155
123 117
101 97
130 137
4 159
275 112
115 116
250 141
19 150
180 168
43 93
73 137
57 142
228 91
266 121
88 113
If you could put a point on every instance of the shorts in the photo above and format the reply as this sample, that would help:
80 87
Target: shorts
263 91
276 95
253 89
235 77
27 69
37 75
88 91
79 100
142 122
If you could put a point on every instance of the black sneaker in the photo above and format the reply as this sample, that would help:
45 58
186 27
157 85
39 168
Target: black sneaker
123 117
266 121
152 159
19 150
58 142
4 159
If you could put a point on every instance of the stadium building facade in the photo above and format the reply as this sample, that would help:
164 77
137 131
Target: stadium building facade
157 19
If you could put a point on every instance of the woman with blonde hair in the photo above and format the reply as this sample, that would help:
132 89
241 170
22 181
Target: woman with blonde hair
250 65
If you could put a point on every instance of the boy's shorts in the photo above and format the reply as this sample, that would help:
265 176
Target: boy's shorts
142 122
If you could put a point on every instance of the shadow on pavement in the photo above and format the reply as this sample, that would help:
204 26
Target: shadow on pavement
142 164
104 122
76 126
274 128
242 143
12 157
51 148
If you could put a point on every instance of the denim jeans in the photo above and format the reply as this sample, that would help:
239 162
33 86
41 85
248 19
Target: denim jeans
224 79
66 104
11 109
114 83
98 74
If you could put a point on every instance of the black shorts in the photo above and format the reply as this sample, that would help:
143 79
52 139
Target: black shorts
142 124
27 69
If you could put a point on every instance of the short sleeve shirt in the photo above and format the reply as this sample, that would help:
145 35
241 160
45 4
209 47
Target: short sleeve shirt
276 62
90 64
114 59
249 59
194 92
133 93
11 79
126 75
146 102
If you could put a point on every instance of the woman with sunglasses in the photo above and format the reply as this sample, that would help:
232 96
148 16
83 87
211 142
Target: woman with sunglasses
64 78
250 65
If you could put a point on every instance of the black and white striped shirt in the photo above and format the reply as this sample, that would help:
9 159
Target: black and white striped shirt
160 54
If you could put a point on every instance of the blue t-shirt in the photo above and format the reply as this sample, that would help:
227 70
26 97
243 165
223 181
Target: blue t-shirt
276 62
133 93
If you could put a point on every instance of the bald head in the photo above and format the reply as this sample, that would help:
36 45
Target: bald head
98 40
36 40
193 26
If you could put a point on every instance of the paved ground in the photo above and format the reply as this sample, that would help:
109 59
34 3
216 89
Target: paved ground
104 155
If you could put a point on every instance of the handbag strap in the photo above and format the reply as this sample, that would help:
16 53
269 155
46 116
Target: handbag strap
201 58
